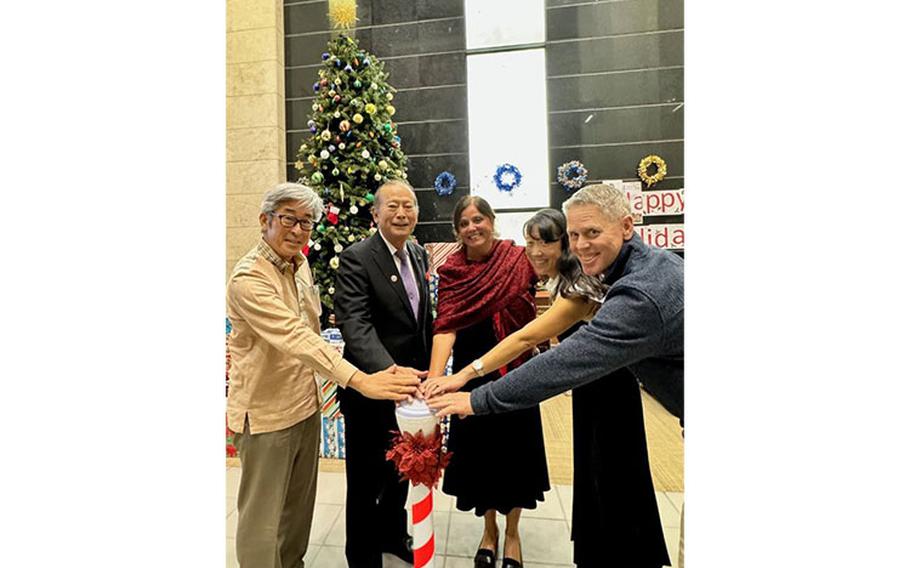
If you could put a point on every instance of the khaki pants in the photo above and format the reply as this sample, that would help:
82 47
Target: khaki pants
277 494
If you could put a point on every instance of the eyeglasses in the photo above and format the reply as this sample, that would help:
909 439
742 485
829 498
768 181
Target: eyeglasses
288 221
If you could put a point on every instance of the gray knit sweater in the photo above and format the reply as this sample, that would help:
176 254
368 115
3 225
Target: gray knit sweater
639 326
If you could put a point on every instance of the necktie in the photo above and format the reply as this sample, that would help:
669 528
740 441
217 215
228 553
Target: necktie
410 286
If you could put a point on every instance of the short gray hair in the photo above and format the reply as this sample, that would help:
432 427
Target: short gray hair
609 199
399 183
292 192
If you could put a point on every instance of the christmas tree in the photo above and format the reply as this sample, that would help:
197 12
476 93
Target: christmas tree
353 149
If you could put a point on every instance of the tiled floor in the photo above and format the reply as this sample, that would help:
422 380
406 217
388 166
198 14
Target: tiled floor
544 531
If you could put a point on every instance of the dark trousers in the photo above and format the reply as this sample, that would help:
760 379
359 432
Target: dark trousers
375 515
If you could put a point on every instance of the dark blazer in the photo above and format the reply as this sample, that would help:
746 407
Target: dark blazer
372 308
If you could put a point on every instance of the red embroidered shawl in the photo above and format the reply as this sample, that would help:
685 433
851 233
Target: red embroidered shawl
498 288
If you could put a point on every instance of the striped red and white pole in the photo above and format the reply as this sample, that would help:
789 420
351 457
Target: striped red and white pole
421 498
413 417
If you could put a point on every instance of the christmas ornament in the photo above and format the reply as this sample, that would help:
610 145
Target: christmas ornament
389 96
334 263
387 126
348 68
358 118
331 290
310 123
298 165
377 177
337 114
370 108
354 210
338 248
341 146
383 165
324 82
357 84
335 172
572 175
351 238
507 178
344 126
317 246
325 56
390 109
326 135
365 154
315 107
316 177
370 198
647 162
332 93
324 154
335 99
444 184
331 148
315 87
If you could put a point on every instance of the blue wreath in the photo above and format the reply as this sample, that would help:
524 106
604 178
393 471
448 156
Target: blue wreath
572 175
444 184
503 170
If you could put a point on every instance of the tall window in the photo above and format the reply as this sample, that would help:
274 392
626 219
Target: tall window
507 106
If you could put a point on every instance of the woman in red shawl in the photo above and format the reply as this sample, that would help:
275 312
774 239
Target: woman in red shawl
498 460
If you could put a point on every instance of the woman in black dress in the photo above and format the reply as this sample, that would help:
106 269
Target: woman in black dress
615 520
498 461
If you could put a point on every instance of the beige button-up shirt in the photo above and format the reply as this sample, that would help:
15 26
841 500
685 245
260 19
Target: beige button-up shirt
275 343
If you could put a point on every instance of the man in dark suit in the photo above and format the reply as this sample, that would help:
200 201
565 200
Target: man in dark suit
382 308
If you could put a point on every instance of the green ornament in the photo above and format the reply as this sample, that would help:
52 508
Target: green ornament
317 177
370 198
387 127
335 172
357 84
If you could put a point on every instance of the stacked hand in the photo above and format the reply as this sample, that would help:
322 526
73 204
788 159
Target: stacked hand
441 385
443 397
395 383
452 403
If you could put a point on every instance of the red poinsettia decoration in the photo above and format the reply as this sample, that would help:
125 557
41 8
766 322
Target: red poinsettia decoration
419 458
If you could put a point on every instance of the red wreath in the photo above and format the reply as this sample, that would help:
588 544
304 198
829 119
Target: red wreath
419 458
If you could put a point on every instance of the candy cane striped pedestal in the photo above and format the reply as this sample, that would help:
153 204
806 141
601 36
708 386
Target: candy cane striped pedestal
421 500
416 417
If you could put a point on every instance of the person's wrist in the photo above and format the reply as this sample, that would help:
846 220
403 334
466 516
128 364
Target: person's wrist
356 381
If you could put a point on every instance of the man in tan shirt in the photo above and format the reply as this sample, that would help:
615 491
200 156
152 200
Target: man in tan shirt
272 400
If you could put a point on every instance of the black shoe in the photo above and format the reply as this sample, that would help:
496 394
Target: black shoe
485 558
403 549
510 563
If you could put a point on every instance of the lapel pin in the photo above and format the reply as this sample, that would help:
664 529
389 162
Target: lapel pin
394 278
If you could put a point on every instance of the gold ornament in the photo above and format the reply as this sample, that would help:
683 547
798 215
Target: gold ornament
390 109
370 108
648 161
358 118
343 13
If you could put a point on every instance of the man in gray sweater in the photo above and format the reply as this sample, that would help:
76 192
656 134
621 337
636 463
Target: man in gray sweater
639 326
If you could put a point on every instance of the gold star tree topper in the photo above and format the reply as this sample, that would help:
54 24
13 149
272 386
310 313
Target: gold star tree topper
343 13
